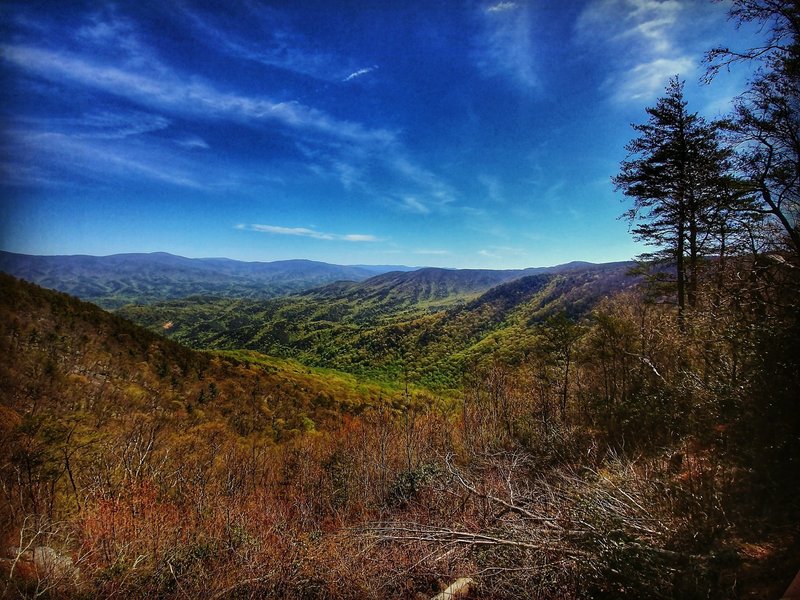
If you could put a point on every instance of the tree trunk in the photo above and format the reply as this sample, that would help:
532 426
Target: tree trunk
565 389
694 254
792 232
681 267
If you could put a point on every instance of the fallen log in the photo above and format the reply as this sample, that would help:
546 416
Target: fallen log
458 589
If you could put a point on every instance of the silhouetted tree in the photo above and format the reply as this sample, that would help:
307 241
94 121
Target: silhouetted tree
676 173
766 120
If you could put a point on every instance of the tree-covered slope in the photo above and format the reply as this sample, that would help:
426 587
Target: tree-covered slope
63 356
426 324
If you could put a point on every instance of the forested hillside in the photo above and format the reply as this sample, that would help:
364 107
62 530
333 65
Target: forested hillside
71 357
424 326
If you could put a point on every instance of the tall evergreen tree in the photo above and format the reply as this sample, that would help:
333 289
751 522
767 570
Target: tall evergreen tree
676 173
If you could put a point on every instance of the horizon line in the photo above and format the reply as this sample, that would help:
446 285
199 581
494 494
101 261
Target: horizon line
365 265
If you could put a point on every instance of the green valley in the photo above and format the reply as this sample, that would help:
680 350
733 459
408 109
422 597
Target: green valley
74 358
425 326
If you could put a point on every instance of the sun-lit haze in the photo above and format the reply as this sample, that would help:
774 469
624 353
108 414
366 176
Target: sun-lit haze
458 134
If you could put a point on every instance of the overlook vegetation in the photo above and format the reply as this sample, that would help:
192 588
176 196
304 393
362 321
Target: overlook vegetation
571 433
621 457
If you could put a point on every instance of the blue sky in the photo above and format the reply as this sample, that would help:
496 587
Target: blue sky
457 134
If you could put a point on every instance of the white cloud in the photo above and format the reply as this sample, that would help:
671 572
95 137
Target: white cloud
97 158
648 79
359 237
389 175
104 147
474 211
360 73
502 6
411 204
626 20
105 125
502 252
261 35
505 46
112 35
494 188
16 173
310 233
108 55
431 192
426 252
642 38
349 175
193 143
298 231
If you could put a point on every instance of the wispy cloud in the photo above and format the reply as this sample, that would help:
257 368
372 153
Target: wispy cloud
411 204
487 254
193 143
118 149
505 46
111 35
433 252
504 252
106 125
108 59
493 187
310 233
23 174
474 211
647 79
389 175
97 158
643 36
360 73
429 193
502 6
171 92
627 20
260 34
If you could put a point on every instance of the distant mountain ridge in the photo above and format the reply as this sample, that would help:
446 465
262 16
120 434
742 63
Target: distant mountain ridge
119 279
430 289
144 278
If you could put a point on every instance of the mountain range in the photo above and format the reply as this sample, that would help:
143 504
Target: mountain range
119 279
385 323
335 404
